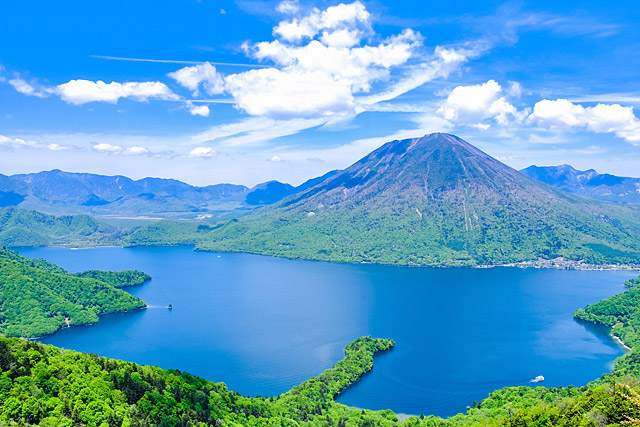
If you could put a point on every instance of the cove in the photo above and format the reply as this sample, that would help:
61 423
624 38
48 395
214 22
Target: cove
263 324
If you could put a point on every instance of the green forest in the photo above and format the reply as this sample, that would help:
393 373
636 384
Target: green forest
47 386
397 236
38 298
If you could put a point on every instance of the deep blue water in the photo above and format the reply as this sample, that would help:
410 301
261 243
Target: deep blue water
263 325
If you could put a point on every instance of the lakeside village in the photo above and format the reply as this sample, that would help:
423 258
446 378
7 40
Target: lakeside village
566 264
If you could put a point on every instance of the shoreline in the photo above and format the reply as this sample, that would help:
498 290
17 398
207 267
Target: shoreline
619 341
68 326
556 263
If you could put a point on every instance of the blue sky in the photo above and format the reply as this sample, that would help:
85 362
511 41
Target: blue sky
247 91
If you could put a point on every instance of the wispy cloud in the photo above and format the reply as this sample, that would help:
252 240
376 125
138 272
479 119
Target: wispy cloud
177 61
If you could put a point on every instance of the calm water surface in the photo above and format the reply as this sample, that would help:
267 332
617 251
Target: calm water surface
263 325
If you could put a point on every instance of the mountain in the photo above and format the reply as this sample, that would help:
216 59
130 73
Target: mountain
269 192
435 200
20 227
38 298
64 193
274 191
588 183
58 192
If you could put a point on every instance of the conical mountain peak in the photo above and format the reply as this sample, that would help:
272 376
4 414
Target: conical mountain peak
433 200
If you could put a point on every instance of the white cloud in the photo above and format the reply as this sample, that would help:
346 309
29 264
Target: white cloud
107 147
441 64
223 12
135 151
15 142
514 90
338 17
204 152
276 159
56 147
601 118
253 131
29 89
198 110
288 7
201 74
322 77
82 91
472 105
284 95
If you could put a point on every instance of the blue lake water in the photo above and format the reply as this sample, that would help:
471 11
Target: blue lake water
263 325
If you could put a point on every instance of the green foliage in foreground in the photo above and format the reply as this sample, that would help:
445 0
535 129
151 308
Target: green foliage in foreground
38 298
44 385
47 386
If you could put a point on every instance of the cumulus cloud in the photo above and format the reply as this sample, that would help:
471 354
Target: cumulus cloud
326 67
204 152
82 91
198 110
483 105
283 95
276 159
338 17
322 65
202 74
601 118
473 105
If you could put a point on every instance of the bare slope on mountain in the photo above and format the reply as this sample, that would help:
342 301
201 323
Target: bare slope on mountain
435 200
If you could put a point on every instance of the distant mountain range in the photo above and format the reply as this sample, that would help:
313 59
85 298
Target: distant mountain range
435 200
588 183
64 193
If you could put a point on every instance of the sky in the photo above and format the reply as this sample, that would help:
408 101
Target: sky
248 91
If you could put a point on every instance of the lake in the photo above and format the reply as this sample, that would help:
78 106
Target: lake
263 324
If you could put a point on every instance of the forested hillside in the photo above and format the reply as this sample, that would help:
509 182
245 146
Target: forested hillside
39 298
438 201
20 227
48 386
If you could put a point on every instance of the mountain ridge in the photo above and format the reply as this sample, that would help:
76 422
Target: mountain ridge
69 193
588 183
